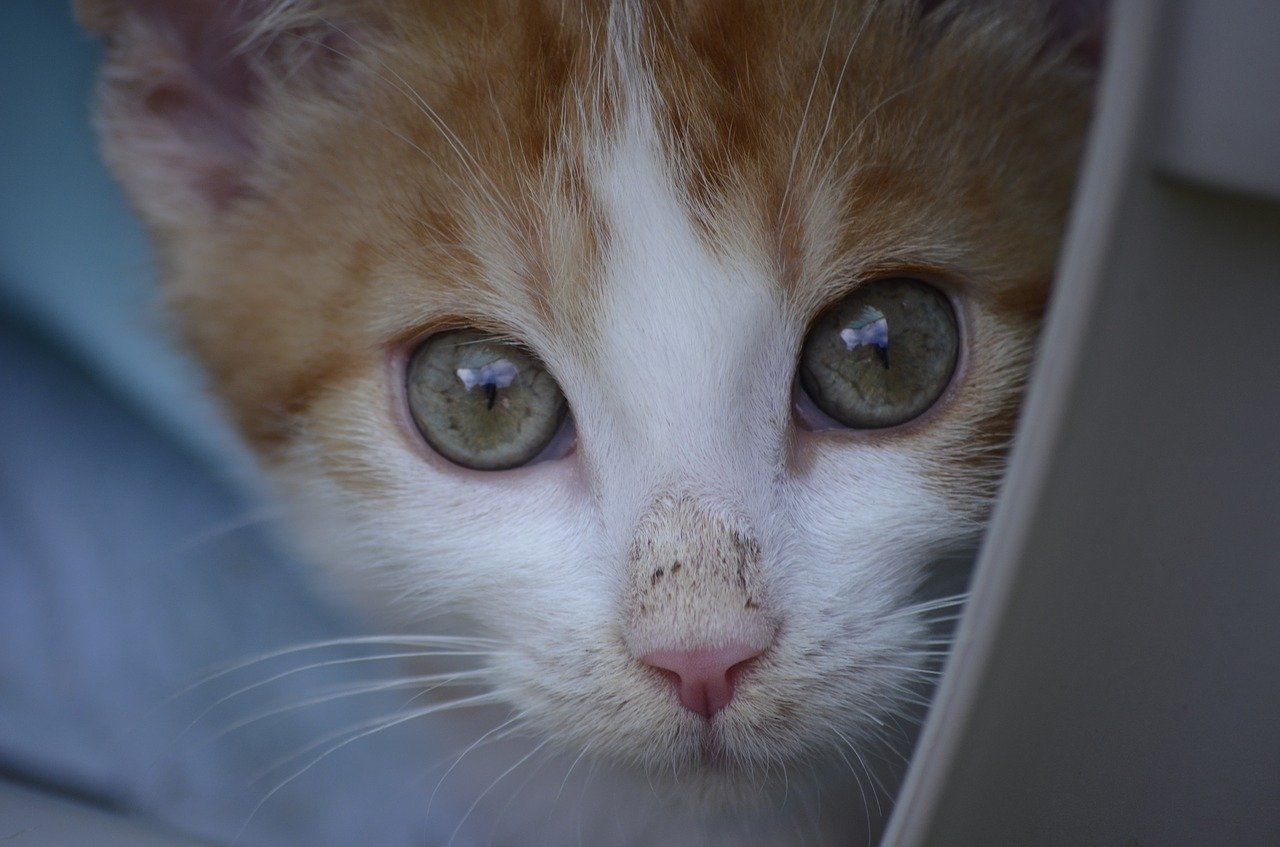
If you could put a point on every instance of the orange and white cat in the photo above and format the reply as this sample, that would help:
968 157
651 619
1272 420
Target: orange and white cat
656 349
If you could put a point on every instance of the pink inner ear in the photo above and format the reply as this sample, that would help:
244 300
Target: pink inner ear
212 140
187 115
182 114
206 43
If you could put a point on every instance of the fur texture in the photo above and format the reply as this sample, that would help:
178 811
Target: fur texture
657 198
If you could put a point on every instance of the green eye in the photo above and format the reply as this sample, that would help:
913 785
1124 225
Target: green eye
882 355
482 403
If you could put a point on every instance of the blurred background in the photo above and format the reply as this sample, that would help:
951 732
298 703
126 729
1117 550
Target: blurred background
135 554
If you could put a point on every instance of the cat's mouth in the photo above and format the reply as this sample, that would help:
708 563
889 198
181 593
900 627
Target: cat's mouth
754 733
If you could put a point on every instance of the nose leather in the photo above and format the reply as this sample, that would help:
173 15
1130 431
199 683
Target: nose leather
704 678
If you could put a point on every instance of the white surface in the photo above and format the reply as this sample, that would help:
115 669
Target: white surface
1116 675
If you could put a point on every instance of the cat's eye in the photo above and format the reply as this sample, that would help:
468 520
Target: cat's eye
483 403
882 355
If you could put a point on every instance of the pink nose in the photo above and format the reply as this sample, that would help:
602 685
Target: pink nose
704 677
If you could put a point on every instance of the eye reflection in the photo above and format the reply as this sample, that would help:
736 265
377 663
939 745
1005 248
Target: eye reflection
870 327
495 375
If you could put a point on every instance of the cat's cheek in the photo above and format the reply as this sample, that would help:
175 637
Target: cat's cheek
386 517
958 445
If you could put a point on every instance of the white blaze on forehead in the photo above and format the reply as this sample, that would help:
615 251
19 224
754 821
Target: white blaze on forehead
681 328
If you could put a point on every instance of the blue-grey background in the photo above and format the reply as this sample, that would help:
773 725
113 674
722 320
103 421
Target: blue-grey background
72 258
135 553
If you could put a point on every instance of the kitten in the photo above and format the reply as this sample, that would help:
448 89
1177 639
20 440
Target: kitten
658 348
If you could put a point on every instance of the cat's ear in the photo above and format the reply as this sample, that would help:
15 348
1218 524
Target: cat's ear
1081 25
184 87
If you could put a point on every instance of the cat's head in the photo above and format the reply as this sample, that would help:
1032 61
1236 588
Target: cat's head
667 342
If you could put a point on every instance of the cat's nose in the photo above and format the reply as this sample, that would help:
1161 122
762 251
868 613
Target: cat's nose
705 677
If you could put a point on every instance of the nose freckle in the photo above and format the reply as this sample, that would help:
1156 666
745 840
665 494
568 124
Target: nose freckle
704 678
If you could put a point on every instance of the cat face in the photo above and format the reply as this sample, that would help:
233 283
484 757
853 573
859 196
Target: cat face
378 226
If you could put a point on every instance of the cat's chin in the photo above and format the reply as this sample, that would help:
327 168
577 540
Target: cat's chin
723 768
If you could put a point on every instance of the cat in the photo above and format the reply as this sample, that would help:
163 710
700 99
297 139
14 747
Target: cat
654 351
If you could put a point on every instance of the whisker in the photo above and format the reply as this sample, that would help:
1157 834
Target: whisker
811 805
493 735
904 668
582 794
468 159
492 785
857 129
506 130
569 772
353 641
877 787
330 737
835 93
903 694
414 98
418 654
884 743
222 529
497 818
939 604
949 599
866 807
362 730
804 119
887 744
433 682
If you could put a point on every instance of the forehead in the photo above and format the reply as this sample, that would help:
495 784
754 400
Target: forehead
819 143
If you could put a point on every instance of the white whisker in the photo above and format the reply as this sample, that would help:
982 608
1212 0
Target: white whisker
804 119
492 785
401 86
417 654
362 730
835 93
354 641
218 531
428 683
497 733
569 772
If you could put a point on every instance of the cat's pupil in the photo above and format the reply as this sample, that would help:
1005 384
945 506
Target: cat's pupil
482 403
882 355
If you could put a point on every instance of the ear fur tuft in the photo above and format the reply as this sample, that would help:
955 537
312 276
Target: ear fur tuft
1080 25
